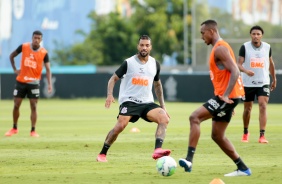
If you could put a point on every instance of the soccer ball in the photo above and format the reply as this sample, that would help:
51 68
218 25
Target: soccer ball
166 166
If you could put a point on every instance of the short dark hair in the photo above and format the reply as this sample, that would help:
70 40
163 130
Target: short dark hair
37 32
210 22
256 27
144 37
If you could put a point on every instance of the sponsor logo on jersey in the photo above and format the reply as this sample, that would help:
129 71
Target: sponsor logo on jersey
29 62
135 99
257 63
30 78
140 81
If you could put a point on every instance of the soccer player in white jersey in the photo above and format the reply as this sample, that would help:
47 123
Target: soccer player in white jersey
138 75
255 63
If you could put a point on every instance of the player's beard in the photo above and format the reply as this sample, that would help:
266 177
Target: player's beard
143 53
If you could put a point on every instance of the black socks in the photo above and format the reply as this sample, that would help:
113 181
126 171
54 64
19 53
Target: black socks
105 149
246 130
240 164
190 154
261 132
158 143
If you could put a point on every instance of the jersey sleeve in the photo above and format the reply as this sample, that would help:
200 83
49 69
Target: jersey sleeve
242 51
19 49
122 69
157 76
270 54
46 58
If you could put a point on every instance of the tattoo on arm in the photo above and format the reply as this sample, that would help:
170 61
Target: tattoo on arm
111 84
159 92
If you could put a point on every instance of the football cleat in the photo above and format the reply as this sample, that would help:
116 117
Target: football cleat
240 173
245 137
159 152
101 158
263 140
11 132
34 134
187 165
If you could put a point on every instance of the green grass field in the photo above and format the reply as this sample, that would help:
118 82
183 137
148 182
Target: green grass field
72 133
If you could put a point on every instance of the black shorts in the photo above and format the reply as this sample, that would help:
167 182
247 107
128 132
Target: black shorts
220 110
30 90
136 110
252 92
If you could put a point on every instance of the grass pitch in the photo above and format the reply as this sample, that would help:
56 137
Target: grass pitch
72 133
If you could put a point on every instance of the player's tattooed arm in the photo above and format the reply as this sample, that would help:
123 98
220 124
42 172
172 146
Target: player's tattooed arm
159 92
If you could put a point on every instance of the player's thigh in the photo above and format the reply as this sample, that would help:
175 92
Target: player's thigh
123 121
218 128
157 115
200 114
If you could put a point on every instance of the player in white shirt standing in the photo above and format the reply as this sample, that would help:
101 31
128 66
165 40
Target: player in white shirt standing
138 75
255 63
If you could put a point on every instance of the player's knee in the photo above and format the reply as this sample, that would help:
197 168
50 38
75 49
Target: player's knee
216 137
193 119
248 110
163 119
16 107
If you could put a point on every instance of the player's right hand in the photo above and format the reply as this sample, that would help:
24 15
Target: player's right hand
250 73
17 72
110 99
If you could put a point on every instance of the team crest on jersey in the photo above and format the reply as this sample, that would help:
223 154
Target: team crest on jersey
123 110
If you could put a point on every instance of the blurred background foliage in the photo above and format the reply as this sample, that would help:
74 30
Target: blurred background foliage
114 37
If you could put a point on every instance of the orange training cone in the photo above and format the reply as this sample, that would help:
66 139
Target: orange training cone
217 181
134 130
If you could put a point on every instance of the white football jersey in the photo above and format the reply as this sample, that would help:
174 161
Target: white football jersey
257 60
136 85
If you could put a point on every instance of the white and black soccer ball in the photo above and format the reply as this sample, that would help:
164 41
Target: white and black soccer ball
166 166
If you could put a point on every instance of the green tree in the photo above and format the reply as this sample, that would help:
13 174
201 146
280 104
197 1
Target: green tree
114 38
163 22
109 42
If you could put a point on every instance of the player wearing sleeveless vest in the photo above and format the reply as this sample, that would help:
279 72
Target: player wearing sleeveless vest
255 63
28 78
138 75
228 89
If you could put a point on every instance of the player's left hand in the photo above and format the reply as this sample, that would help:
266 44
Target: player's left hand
273 85
233 112
226 99
50 89
110 99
